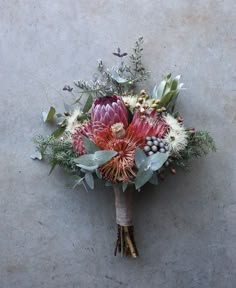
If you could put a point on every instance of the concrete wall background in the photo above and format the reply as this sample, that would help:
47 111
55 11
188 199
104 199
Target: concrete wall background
51 236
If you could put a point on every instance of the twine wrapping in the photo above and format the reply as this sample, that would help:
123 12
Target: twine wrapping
124 205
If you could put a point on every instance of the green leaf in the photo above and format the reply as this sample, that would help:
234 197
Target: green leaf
48 116
93 161
161 89
165 99
154 179
142 177
103 156
37 155
157 160
88 168
89 180
58 132
98 173
89 145
86 160
140 158
88 104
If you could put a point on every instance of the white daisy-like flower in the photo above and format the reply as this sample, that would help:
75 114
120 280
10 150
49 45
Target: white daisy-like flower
72 122
130 101
177 139
173 123
177 136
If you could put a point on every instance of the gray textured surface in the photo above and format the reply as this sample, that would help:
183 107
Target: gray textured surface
51 236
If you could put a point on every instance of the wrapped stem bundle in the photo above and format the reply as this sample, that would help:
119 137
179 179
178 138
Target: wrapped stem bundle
125 243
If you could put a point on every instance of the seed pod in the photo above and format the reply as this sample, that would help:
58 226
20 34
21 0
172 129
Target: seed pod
154 148
150 153
147 148
155 142
162 150
149 143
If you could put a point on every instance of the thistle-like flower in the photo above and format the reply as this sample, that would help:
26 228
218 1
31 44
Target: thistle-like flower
109 110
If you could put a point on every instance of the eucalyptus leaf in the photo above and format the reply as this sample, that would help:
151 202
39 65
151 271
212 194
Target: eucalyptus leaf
154 179
86 160
78 181
103 156
98 173
157 160
142 177
89 180
37 155
85 168
89 145
48 116
140 157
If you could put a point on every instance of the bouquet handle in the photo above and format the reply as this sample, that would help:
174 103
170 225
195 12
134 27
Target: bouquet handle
125 243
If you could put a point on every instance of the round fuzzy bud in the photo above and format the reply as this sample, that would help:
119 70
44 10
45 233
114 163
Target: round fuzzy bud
148 138
149 143
161 144
150 153
147 148
154 137
154 148
162 150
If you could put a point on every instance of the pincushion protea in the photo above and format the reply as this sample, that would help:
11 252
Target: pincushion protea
109 110
149 123
121 167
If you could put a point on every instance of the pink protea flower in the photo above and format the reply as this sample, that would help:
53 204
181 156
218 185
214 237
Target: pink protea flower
88 129
149 124
109 110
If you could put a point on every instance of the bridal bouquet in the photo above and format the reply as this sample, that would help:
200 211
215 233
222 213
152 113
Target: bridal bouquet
121 135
